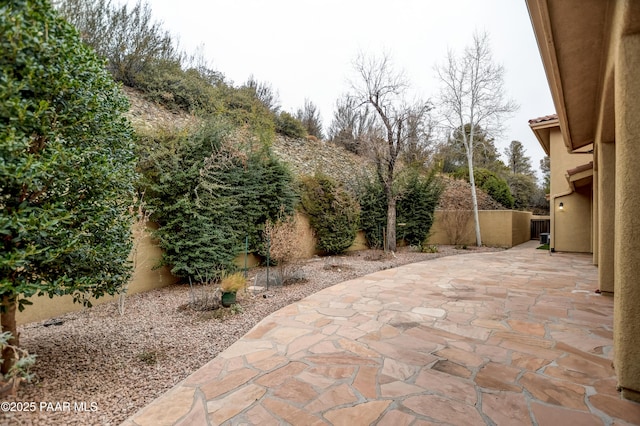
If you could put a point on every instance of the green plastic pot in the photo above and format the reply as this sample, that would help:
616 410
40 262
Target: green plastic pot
228 298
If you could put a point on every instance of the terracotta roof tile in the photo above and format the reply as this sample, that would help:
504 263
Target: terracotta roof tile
580 168
542 119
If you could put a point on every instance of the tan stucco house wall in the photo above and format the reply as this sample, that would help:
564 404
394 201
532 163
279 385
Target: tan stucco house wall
590 50
570 198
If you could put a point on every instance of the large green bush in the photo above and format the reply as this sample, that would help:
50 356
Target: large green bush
210 190
288 125
66 164
333 212
415 208
373 210
168 84
491 183
523 189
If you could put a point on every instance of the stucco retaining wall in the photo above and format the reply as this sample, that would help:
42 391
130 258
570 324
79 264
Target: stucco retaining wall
499 228
145 278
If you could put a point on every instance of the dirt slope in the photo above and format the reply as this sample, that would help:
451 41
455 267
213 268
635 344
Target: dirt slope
305 157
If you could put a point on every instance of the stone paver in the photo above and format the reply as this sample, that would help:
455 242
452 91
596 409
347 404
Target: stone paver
515 337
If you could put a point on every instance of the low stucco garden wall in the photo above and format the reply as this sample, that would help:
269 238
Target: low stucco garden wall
500 228
145 278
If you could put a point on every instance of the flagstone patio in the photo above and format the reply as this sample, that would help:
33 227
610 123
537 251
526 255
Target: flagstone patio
510 338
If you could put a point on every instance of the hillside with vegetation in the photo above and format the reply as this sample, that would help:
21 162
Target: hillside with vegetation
304 156
209 148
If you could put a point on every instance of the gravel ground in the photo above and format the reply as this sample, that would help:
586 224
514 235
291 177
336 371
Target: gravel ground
116 364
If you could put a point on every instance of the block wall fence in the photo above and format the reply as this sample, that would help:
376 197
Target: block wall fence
500 228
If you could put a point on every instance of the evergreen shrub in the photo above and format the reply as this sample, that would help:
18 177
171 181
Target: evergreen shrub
67 164
208 192
491 183
288 125
333 212
66 170
415 208
373 211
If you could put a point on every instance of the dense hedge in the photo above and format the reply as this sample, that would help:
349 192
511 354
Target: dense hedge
373 211
333 212
415 208
210 190
491 183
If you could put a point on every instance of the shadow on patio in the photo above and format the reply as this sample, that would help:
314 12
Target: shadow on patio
516 337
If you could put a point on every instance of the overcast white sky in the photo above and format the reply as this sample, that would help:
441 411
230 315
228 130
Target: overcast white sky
305 49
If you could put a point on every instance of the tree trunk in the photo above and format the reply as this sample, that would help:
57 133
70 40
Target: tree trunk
391 223
8 322
474 200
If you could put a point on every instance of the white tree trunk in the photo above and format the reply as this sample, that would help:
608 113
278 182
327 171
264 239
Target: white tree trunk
474 200
473 95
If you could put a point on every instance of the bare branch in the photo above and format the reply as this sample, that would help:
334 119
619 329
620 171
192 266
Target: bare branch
382 88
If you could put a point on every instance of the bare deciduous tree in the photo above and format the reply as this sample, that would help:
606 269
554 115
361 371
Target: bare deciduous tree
381 87
419 149
455 224
127 36
310 118
352 123
473 94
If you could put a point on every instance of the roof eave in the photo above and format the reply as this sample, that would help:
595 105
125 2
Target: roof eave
542 130
539 14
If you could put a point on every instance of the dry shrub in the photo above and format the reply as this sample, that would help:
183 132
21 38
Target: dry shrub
455 224
207 295
19 372
204 296
377 255
335 264
286 245
233 282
